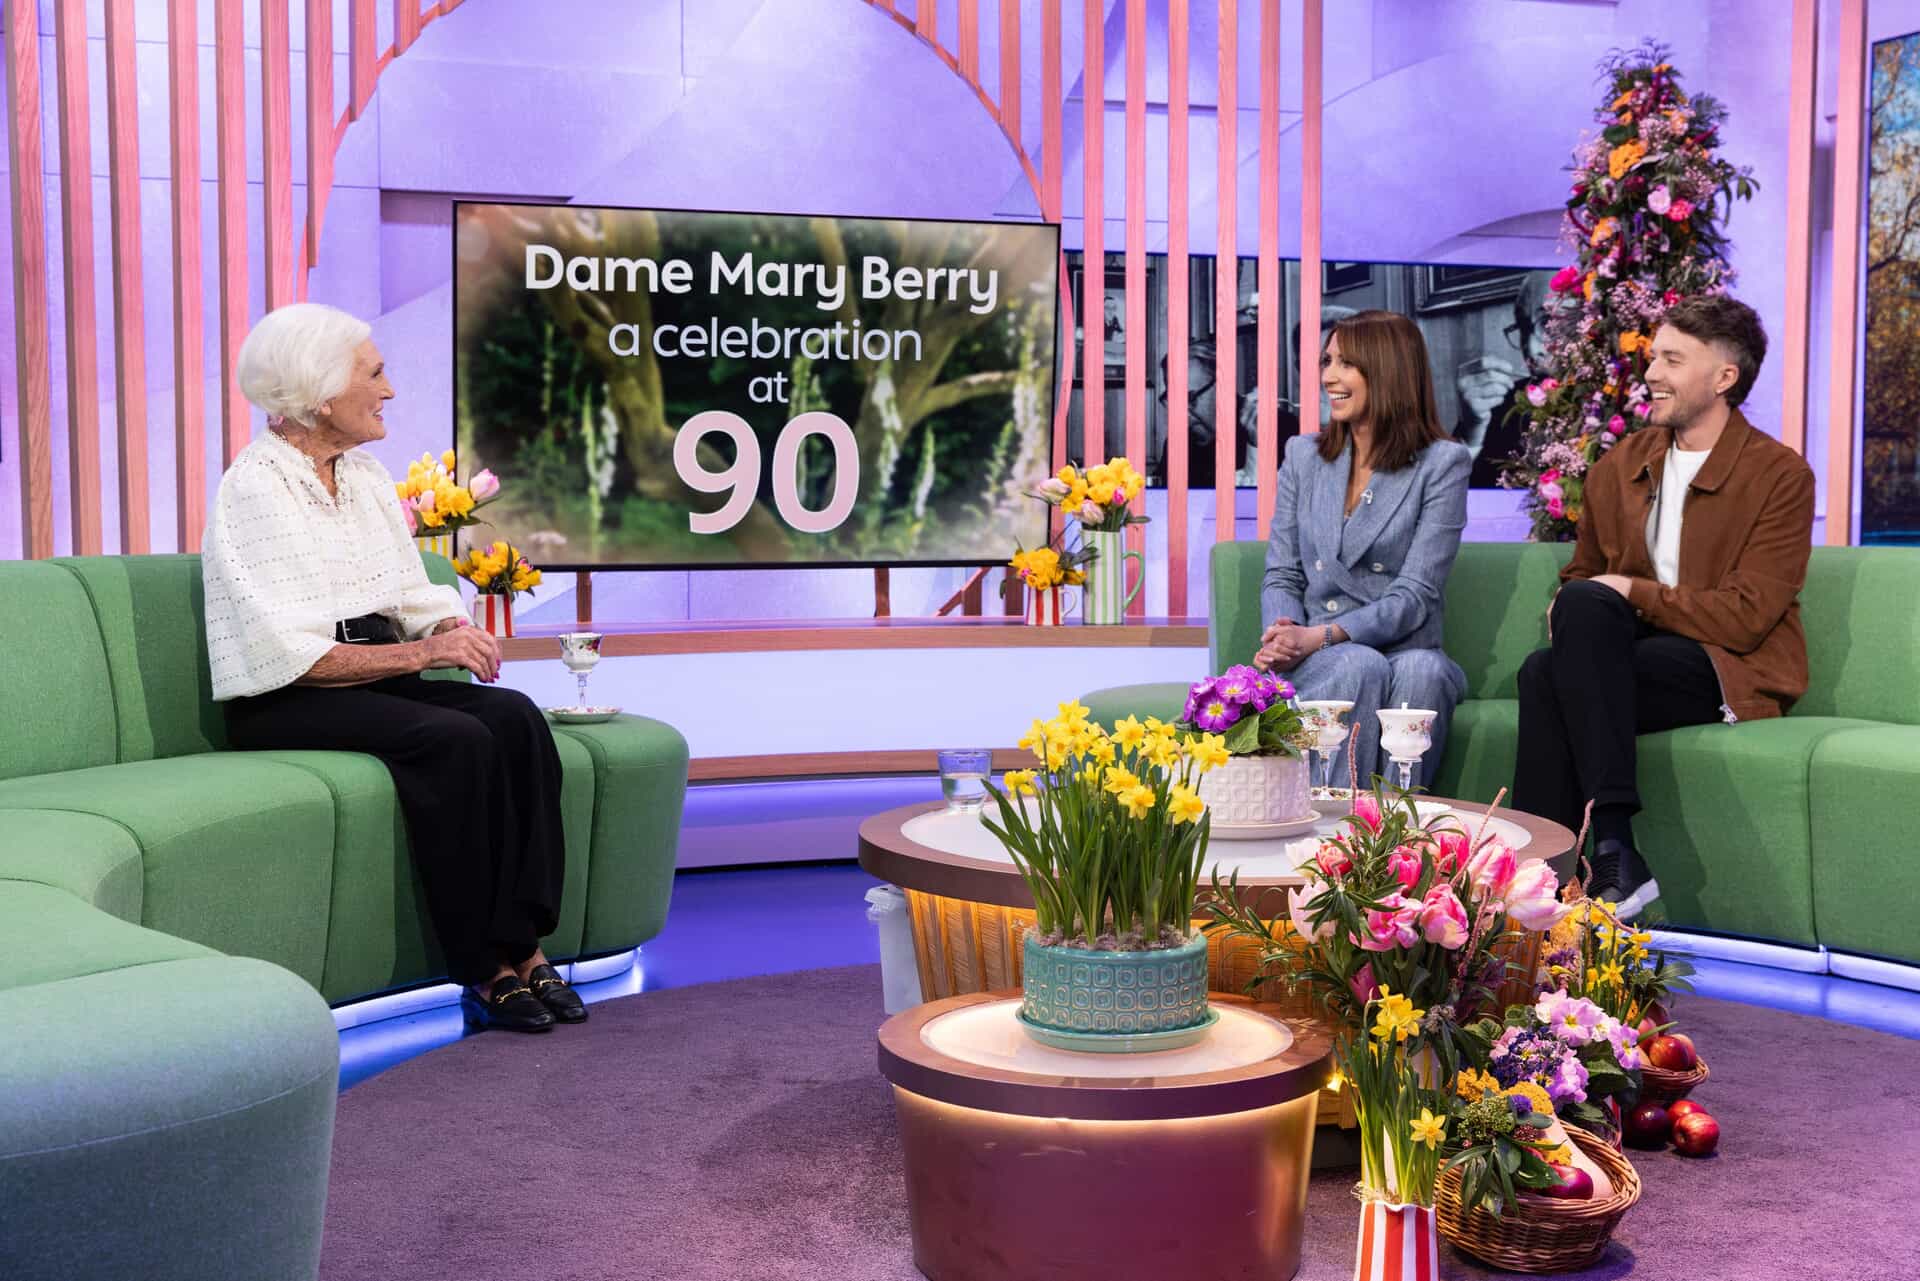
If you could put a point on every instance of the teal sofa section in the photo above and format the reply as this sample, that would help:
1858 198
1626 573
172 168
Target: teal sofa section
183 915
1784 830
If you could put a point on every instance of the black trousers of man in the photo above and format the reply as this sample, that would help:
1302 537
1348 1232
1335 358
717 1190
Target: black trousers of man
478 779
1607 678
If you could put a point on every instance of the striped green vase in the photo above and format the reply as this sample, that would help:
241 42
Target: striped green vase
1107 595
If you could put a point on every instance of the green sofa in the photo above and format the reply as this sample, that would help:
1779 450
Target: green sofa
182 915
1791 830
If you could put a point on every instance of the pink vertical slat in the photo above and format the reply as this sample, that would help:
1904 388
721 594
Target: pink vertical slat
406 24
1093 256
970 41
27 198
319 129
926 21
276 145
1226 277
1272 330
1010 72
1136 214
1801 103
76 232
1052 181
129 302
230 138
189 324
363 59
1177 304
1313 115
1849 154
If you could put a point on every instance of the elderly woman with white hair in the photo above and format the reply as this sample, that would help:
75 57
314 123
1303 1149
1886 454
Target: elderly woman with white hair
320 623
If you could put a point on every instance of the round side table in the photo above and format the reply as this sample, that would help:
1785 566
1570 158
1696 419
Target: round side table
1052 1165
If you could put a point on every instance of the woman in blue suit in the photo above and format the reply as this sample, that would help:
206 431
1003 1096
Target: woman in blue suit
1365 528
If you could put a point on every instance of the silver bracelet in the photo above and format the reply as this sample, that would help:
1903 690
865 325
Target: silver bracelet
1326 636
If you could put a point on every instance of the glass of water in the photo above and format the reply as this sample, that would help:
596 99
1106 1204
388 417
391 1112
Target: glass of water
963 777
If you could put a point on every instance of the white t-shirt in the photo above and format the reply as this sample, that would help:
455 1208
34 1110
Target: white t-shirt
283 562
1663 523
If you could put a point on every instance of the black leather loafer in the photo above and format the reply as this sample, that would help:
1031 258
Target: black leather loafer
510 1005
556 995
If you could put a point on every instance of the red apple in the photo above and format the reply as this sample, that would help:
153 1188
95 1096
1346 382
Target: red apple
1575 1184
1673 1053
1684 1107
1696 1134
1647 1126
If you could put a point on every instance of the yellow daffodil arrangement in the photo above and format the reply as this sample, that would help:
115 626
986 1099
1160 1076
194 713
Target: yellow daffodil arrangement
499 570
1108 829
434 503
1043 567
1403 1122
1098 496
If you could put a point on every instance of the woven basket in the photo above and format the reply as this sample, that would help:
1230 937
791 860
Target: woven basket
1663 1086
1541 1234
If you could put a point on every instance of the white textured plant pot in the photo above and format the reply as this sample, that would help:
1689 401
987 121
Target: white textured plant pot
1251 791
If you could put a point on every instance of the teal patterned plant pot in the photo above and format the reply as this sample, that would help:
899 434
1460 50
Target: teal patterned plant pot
1071 989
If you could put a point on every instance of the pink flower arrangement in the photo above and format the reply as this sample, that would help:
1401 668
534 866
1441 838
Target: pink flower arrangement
1565 280
1659 200
1391 904
1680 211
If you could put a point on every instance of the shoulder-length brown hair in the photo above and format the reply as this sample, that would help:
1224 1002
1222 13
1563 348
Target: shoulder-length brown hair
1391 355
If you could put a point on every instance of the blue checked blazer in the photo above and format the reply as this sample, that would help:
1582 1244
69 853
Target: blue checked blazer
1380 574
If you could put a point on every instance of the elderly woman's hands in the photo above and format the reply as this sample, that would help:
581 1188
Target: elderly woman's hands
1284 644
470 647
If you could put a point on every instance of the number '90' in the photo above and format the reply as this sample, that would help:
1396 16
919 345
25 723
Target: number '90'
741 481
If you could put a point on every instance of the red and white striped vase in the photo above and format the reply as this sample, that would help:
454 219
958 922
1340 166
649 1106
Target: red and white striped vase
1397 1243
1047 607
493 612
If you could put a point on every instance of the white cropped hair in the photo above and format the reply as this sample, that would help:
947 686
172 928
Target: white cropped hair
297 358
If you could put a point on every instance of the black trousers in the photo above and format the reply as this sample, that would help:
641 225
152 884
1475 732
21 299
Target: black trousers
478 780
1607 678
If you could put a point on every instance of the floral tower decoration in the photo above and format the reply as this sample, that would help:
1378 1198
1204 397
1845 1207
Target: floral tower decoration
1645 220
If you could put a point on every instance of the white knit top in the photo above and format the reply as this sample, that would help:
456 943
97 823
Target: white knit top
284 561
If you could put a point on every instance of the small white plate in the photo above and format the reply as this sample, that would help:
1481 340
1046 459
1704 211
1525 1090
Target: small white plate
582 715
1264 831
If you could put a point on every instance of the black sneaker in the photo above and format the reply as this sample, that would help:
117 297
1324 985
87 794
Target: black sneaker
1621 877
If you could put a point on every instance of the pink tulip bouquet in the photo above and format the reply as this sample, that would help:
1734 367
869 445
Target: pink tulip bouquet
1391 906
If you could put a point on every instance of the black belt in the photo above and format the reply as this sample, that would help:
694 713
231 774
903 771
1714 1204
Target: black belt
368 629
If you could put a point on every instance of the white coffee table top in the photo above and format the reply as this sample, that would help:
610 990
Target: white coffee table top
989 1036
961 832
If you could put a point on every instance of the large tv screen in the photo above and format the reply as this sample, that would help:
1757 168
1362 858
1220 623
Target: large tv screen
661 388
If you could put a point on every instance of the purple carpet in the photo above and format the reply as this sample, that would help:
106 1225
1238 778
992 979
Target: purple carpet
740 1132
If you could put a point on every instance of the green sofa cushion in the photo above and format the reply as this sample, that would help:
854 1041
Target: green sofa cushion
159 1085
639 791
94 859
1866 879
1862 619
379 936
1108 707
1727 824
57 937
55 699
152 614
1497 598
1480 751
238 853
1233 634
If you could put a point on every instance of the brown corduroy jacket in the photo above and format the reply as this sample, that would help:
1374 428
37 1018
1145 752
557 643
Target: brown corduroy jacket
1744 544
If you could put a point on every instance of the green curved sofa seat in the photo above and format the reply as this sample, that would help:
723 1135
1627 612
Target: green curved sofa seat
185 914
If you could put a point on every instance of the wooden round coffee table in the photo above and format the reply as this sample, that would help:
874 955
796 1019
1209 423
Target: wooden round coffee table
969 908
1052 1164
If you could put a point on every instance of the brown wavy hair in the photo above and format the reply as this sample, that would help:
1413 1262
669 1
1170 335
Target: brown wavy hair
1391 355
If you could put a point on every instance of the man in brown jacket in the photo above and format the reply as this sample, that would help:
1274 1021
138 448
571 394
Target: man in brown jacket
1679 606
